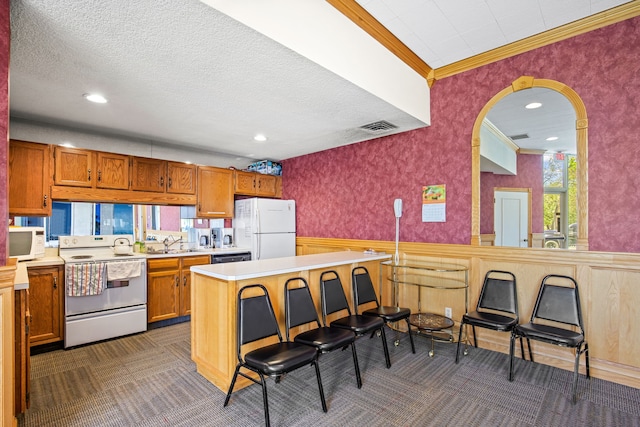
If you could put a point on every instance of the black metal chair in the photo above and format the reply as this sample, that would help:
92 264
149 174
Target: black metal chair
334 300
255 321
558 307
364 293
300 310
497 307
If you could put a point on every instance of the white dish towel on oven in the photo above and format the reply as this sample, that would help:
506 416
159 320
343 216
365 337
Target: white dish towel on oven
122 270
85 279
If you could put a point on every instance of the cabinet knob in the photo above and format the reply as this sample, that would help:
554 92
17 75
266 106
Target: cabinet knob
162 181
89 175
99 176
44 202
55 282
169 183
184 280
177 281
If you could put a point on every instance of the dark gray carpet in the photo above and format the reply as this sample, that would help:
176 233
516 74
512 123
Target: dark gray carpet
149 380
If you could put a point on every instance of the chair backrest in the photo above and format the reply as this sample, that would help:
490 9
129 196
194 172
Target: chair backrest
332 295
256 318
363 291
299 308
499 292
558 302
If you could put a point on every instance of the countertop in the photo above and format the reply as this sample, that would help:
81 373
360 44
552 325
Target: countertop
271 267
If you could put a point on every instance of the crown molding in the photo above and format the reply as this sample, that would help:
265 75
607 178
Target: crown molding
356 13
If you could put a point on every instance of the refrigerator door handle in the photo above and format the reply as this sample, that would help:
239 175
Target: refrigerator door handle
257 231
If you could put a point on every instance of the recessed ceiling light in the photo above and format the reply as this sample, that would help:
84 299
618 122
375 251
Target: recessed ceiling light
94 97
533 105
552 138
260 137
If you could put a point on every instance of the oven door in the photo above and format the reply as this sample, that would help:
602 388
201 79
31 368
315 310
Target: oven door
116 294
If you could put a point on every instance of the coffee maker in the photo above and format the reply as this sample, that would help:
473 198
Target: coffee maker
201 237
216 237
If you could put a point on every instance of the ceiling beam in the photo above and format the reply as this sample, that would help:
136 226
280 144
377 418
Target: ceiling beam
356 13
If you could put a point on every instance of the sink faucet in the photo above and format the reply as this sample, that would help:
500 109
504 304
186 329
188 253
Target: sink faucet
168 244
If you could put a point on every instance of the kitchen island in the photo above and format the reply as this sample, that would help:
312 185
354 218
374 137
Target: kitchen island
214 300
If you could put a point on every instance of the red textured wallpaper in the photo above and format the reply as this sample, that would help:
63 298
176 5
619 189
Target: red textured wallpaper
348 192
5 42
529 176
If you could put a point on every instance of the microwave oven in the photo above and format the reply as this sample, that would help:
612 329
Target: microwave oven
26 243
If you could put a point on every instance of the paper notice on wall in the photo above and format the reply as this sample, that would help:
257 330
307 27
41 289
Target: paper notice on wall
434 203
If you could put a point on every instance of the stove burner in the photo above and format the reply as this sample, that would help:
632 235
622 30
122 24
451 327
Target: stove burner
81 256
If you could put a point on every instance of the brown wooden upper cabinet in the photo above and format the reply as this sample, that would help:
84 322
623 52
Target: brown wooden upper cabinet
256 184
73 167
181 178
29 179
215 192
148 174
113 171
77 167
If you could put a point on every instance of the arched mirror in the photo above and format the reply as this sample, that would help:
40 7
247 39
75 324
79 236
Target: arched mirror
546 91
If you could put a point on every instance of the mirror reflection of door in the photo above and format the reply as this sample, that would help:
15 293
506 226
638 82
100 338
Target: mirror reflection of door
512 211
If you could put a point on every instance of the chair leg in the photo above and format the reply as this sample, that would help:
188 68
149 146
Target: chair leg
265 400
233 383
356 365
512 343
522 350
475 341
413 347
586 358
576 367
458 346
320 388
385 347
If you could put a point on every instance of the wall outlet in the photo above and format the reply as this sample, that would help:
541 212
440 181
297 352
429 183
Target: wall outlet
447 312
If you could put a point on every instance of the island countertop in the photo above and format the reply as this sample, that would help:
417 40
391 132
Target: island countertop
275 266
214 290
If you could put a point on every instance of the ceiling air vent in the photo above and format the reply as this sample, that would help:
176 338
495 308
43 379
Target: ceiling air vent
379 127
521 136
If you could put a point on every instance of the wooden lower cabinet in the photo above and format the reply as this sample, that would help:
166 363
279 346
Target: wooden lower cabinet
169 286
22 357
46 304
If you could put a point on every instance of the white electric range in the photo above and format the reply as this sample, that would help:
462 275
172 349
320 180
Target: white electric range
105 291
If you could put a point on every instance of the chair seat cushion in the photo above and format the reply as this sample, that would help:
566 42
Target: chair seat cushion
493 321
358 323
326 339
550 334
388 313
279 358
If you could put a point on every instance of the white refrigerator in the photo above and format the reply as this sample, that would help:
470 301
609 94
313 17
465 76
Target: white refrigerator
267 226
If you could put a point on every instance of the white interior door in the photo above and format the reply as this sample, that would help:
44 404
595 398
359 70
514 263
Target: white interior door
511 218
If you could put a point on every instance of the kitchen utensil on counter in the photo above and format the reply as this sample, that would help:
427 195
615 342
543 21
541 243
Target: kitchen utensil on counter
228 240
204 241
122 246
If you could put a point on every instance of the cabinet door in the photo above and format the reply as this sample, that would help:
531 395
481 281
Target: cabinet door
185 293
181 178
113 171
215 192
163 299
29 179
148 174
73 167
245 183
265 185
45 299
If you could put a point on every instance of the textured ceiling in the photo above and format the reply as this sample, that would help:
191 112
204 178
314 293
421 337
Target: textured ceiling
181 73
